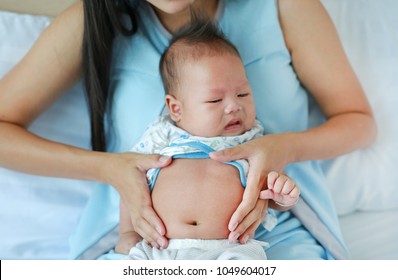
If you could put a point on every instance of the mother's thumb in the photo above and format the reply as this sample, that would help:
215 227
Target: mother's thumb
154 161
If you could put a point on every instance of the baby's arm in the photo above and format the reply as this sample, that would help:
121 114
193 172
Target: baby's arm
282 190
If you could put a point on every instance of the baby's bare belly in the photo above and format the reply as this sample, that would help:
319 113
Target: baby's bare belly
195 198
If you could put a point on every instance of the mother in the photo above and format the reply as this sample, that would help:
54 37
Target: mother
289 47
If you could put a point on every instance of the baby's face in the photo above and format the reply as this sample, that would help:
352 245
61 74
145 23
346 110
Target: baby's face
214 97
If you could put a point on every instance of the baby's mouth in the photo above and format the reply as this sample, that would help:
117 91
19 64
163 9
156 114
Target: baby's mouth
234 124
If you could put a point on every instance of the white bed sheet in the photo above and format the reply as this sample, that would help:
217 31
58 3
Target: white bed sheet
371 235
38 214
363 184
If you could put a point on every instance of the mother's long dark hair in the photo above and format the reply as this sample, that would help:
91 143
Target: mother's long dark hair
102 21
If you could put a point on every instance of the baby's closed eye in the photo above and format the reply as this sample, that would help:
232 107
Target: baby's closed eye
214 101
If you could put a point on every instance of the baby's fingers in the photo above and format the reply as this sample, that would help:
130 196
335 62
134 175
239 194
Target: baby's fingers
281 184
271 179
295 192
289 198
266 194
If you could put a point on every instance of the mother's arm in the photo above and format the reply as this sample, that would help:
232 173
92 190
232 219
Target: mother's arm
51 66
323 68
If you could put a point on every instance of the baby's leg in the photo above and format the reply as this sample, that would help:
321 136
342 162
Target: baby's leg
127 236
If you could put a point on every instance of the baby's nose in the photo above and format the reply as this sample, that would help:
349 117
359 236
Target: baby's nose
232 107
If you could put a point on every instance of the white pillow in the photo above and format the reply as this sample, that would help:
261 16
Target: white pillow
367 179
17 33
38 214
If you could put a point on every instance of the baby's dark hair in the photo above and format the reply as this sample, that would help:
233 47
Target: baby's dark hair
201 37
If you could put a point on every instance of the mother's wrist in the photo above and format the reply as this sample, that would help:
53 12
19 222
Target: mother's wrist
101 167
289 147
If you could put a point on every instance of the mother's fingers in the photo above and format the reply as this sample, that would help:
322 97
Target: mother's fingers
250 223
250 197
146 162
250 231
230 154
151 229
136 196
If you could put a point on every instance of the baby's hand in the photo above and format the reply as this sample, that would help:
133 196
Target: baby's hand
281 189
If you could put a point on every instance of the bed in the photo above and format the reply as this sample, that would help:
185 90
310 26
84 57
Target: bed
38 214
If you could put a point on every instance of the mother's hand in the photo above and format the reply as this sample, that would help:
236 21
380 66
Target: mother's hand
264 154
127 173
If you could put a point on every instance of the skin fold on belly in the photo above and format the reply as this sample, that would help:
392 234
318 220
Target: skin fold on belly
195 198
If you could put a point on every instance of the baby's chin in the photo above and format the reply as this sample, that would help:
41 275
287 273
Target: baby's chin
221 133
227 133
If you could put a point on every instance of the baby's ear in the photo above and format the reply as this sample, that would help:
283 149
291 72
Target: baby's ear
174 106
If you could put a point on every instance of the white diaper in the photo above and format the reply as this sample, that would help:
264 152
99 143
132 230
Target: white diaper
200 249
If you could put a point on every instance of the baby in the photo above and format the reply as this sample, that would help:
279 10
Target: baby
211 107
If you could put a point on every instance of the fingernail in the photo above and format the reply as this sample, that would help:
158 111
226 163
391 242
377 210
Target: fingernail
270 186
159 230
234 226
215 154
164 158
234 237
245 238
160 242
